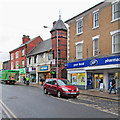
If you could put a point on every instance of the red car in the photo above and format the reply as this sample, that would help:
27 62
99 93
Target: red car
60 87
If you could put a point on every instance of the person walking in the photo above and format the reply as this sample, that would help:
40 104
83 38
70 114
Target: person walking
41 80
113 86
27 81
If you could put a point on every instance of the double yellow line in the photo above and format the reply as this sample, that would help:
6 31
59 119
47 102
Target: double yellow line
7 111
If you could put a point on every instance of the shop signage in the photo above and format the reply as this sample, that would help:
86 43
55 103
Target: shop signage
94 62
22 71
43 68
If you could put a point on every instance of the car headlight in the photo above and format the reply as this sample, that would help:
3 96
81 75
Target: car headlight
64 89
77 89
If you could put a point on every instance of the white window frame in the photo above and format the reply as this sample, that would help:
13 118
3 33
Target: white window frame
79 43
95 13
23 52
79 25
23 63
12 66
113 12
17 54
17 63
95 38
12 56
113 34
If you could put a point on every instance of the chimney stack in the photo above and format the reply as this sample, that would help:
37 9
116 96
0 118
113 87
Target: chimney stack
54 23
25 39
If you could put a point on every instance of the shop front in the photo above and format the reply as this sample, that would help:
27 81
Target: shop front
22 73
94 73
43 72
32 74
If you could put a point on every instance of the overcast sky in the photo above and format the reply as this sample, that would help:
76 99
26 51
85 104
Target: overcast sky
27 17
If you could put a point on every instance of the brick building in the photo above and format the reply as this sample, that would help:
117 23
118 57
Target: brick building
59 31
94 46
18 55
6 65
43 58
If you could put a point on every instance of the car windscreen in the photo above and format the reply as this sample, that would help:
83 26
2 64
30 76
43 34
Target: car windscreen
64 82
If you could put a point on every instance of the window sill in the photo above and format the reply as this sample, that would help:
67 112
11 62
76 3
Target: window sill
114 20
95 27
79 33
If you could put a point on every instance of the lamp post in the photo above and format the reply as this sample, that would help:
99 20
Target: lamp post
57 48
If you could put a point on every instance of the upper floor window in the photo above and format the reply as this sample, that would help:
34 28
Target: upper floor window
116 43
17 64
12 56
12 65
58 54
116 11
96 19
17 54
35 58
80 26
79 50
23 53
29 60
23 63
53 54
96 45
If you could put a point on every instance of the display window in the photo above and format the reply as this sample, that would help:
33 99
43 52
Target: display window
78 78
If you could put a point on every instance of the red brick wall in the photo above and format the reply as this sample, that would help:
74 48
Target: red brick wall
62 46
30 46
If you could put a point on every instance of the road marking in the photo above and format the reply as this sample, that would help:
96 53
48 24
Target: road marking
5 107
5 111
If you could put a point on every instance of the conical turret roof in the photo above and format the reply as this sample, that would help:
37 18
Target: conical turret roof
59 25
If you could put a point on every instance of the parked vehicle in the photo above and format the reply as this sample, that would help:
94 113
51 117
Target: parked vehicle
60 87
9 76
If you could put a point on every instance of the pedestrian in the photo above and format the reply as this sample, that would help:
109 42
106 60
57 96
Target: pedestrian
113 86
41 80
27 81
24 80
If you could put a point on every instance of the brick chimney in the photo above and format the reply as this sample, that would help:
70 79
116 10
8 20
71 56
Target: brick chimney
54 23
25 39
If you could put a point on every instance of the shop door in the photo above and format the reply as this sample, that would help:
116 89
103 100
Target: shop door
98 78
110 81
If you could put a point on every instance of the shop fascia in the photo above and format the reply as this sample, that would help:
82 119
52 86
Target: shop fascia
81 67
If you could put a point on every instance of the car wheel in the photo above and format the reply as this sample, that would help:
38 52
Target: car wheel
59 94
45 91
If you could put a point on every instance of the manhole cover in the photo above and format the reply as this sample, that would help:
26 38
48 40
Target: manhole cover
13 97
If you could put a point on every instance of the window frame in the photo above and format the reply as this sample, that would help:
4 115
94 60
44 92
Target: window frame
95 38
95 19
81 53
113 12
22 63
79 26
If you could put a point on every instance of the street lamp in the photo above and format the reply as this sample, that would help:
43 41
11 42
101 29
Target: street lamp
57 47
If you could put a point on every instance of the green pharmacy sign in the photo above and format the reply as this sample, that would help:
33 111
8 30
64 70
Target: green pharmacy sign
22 71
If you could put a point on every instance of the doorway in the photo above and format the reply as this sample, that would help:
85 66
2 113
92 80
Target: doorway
98 77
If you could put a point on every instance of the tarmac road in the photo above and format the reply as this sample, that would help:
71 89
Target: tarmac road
31 102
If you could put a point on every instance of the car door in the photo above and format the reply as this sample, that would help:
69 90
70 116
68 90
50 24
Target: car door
54 86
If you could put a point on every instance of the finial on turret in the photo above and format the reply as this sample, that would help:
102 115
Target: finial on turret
59 15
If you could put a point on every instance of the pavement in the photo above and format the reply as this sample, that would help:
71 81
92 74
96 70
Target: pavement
88 92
